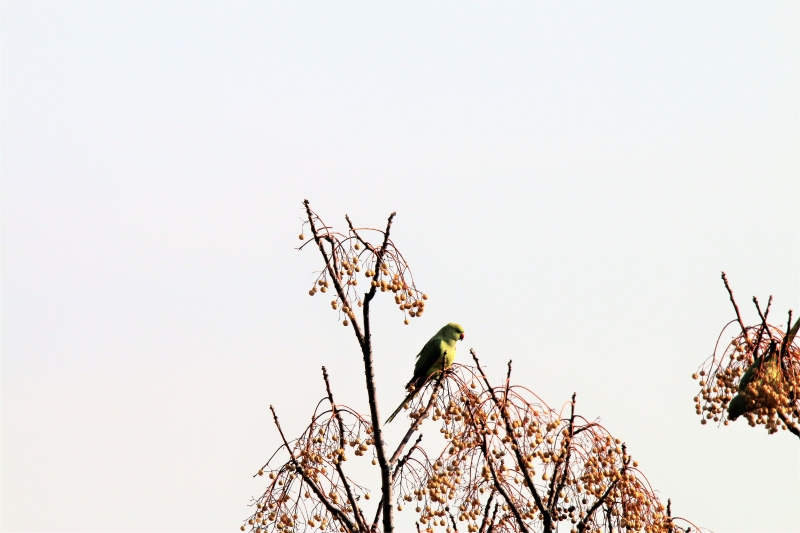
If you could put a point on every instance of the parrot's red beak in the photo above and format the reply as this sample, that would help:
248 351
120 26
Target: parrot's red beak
462 337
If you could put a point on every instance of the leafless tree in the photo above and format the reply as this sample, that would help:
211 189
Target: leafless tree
511 463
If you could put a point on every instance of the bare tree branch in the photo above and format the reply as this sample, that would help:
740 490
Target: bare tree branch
555 489
735 306
387 489
486 508
789 425
338 462
398 467
332 509
600 501
521 463
333 270
365 342
501 489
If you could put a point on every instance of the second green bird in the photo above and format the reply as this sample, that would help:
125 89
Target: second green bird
439 352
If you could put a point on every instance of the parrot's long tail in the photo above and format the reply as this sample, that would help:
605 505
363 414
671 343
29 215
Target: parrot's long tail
402 404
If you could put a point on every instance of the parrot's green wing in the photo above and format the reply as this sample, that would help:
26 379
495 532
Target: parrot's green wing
426 362
748 375
431 357
767 370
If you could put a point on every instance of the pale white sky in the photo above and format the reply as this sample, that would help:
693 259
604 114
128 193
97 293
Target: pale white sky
569 178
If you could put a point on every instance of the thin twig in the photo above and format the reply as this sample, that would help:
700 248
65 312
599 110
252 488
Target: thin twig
332 268
766 311
602 499
523 466
387 489
786 339
485 450
736 308
554 494
366 244
520 522
400 464
452 518
338 461
789 425
764 326
492 522
484 523
508 384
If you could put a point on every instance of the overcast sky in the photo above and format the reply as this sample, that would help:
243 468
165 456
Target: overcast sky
569 180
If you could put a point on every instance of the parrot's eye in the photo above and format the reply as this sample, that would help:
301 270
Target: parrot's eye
462 337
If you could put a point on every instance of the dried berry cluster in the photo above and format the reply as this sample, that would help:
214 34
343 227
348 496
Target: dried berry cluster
347 255
756 376
510 464
310 489
513 462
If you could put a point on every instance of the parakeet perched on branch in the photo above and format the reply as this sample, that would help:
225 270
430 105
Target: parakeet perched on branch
768 371
439 352
765 370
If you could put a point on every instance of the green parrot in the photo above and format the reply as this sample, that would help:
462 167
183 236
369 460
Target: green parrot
770 366
439 351
770 372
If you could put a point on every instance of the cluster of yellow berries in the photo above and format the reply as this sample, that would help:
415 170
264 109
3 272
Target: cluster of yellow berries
323 287
346 264
719 389
316 455
609 470
408 298
765 401
349 266
518 440
487 443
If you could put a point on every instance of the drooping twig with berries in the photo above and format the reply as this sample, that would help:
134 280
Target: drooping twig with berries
501 440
